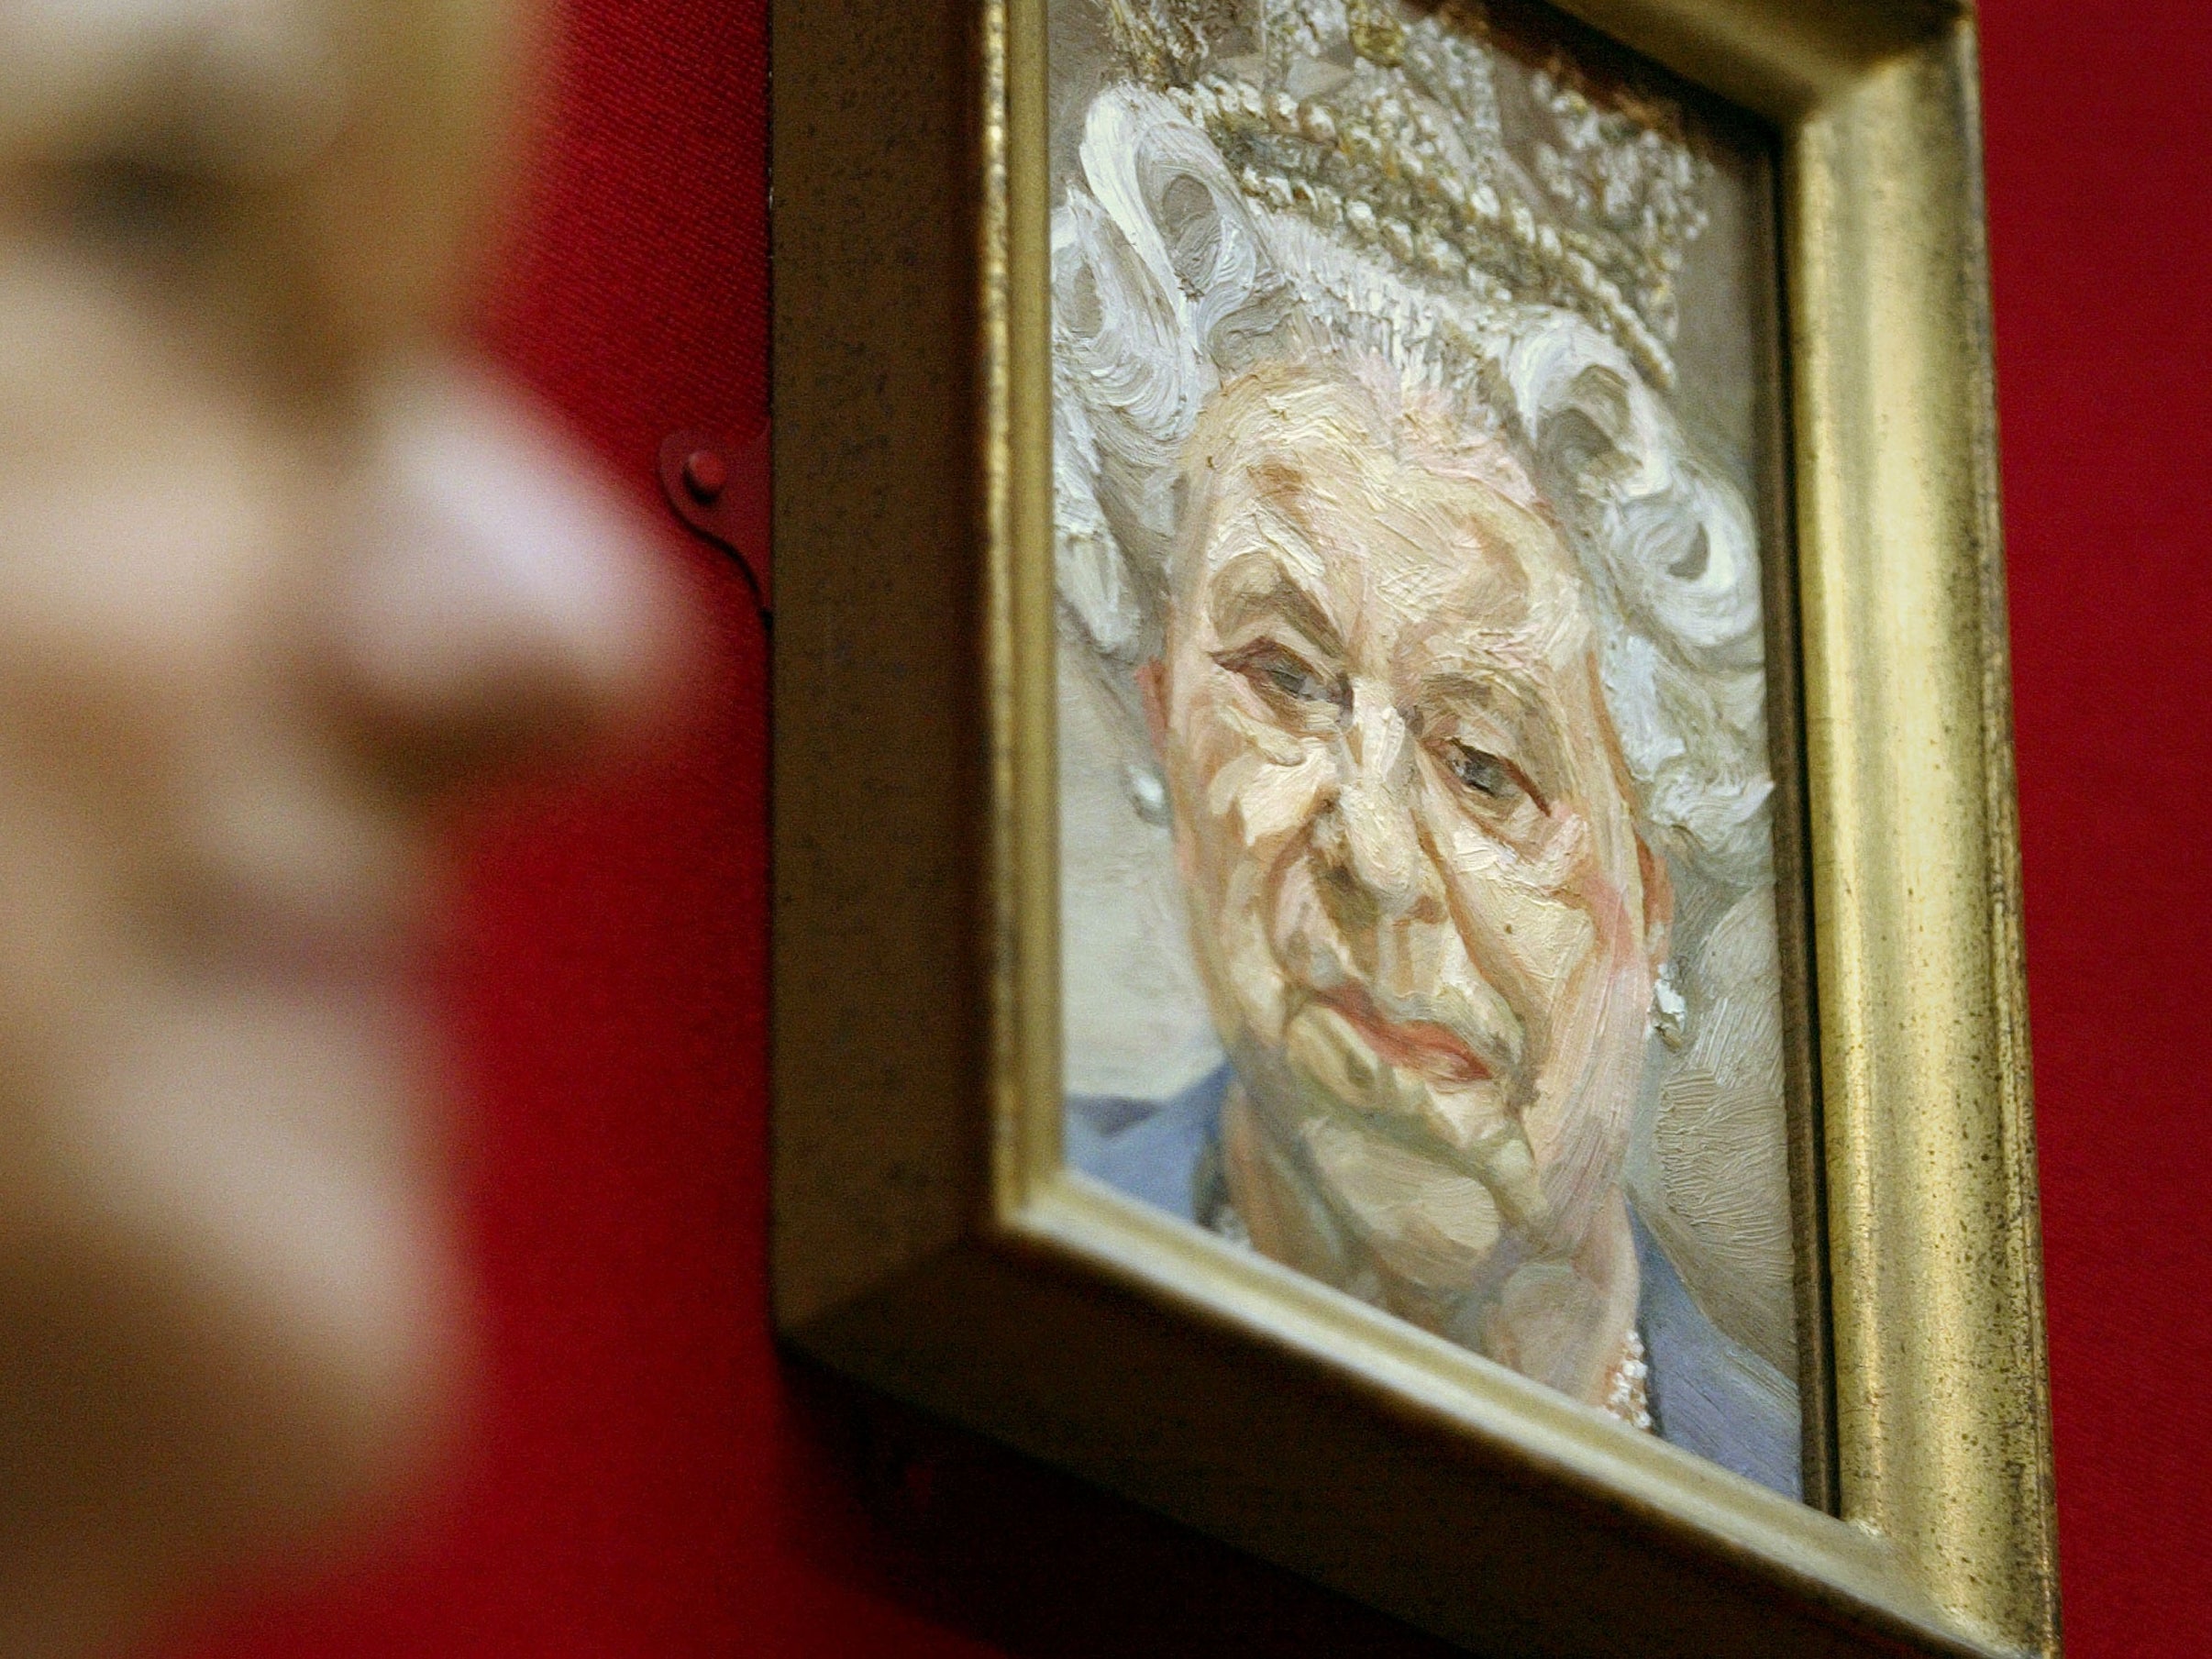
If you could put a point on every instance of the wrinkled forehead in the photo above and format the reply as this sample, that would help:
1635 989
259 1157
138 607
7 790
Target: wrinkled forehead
1376 512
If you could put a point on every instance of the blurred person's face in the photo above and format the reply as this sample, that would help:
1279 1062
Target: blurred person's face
1425 917
277 585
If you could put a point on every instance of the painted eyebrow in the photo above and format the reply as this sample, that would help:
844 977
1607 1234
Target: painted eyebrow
1256 586
1497 687
1503 691
1475 664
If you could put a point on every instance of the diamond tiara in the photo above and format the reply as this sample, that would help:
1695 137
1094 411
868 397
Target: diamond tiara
1382 128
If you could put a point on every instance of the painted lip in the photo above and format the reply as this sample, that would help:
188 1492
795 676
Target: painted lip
1419 1046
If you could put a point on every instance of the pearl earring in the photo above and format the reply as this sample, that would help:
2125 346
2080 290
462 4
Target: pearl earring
1147 793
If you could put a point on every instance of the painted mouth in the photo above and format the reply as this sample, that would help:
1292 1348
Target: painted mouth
1418 1045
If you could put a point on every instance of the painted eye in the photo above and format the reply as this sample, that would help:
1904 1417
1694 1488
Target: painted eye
1483 773
1283 675
1491 775
1294 679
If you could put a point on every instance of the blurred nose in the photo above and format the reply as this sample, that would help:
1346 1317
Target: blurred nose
1377 845
500 608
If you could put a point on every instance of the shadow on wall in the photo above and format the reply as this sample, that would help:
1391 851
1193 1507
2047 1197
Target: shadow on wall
972 1535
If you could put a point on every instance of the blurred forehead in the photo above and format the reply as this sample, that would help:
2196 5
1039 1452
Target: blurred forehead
248 83
346 142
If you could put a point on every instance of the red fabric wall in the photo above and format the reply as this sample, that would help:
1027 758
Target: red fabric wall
652 1482
2100 174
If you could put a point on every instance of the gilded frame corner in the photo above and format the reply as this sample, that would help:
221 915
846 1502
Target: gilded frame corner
926 1238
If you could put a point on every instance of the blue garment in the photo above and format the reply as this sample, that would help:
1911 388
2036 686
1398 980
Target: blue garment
1709 1394
1159 1151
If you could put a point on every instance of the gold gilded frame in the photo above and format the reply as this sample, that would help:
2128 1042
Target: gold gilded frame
926 1238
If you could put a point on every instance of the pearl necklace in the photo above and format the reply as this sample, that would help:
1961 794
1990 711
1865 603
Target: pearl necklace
1627 1394
1628 1389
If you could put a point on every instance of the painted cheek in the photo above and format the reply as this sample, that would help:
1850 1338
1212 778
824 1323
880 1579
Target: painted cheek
1263 803
1254 787
1581 1122
1305 941
1579 1126
1226 730
1611 903
1256 784
1550 938
1530 903
1252 968
1524 932
1260 807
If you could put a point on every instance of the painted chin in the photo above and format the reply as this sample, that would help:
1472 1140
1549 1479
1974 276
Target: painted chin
1422 1091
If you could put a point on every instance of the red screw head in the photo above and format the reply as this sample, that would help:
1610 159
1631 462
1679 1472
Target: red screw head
706 475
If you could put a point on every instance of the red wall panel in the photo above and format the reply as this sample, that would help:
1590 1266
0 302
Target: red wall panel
2100 168
652 1482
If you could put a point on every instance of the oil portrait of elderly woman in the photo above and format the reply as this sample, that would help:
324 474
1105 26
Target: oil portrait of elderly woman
1412 460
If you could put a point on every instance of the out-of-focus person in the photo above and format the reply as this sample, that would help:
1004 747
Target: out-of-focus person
283 581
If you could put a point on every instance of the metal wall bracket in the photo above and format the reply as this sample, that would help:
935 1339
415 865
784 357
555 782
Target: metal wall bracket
722 492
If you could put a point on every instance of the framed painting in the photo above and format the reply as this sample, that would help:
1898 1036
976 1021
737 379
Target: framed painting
1396 898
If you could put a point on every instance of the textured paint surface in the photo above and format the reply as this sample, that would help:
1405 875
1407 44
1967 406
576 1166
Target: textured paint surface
1461 975
1406 436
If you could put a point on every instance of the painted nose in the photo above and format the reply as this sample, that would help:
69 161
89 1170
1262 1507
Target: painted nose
501 610
1378 846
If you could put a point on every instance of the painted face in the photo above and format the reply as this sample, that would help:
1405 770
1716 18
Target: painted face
280 582
1419 897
